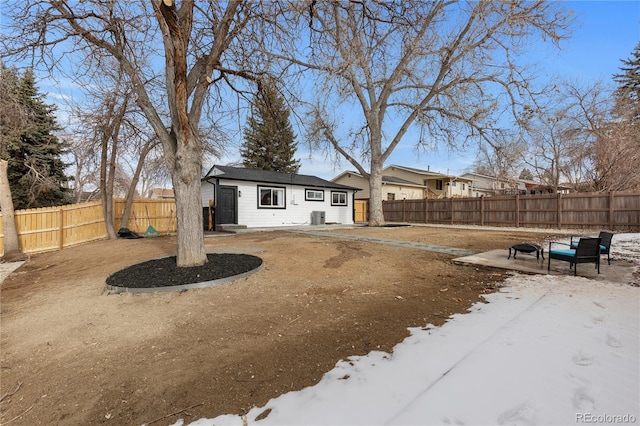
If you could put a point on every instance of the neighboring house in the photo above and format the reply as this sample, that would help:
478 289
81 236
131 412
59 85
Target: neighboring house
488 186
530 187
400 183
161 193
392 188
438 185
258 198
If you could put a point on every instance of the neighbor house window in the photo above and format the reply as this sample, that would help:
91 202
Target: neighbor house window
313 195
439 184
338 198
391 196
464 186
271 197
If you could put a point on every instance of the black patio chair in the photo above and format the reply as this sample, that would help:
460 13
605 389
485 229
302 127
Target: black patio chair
605 244
586 251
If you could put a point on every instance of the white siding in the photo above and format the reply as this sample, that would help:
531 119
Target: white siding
206 191
297 210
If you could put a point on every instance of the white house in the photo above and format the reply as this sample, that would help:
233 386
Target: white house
259 198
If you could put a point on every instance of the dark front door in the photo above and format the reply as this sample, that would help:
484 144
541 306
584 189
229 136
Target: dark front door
227 206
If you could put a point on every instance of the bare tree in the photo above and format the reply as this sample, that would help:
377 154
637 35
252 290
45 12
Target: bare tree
502 158
203 43
550 151
439 72
616 152
14 118
572 138
83 166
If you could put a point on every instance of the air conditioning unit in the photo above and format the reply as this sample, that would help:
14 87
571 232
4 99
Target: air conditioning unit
317 218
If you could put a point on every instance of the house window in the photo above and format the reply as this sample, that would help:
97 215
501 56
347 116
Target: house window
313 195
391 196
464 186
271 197
338 198
453 183
439 184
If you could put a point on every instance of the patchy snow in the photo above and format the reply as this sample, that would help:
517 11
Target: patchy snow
544 350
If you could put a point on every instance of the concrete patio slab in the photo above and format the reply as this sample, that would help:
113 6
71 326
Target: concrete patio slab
619 271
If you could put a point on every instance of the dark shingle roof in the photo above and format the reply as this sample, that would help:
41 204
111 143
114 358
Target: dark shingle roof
266 176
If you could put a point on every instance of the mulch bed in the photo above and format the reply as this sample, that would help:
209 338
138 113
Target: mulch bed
165 272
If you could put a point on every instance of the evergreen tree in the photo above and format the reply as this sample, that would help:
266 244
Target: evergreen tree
628 91
269 139
526 174
35 168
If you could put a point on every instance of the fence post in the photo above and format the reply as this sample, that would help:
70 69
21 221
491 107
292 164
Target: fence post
482 210
559 210
404 215
61 232
611 210
517 209
426 210
451 210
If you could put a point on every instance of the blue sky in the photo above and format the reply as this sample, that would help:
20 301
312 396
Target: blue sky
605 33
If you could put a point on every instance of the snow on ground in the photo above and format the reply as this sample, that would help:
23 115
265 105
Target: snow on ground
544 350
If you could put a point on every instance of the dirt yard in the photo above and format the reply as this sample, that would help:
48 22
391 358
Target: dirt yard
74 354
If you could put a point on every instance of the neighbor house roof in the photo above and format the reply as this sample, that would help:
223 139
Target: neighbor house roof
425 173
161 193
267 176
414 170
385 179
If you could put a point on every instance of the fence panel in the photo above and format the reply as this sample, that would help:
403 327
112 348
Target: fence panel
467 211
392 210
625 211
439 212
159 213
82 223
538 211
580 210
614 211
413 211
499 211
54 228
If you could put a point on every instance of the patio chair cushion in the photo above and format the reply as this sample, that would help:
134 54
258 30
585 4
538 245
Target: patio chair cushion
566 252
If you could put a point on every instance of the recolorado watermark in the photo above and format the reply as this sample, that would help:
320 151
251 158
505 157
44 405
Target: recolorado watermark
588 418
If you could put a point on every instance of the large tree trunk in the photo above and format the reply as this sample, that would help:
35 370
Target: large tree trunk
11 244
186 185
376 215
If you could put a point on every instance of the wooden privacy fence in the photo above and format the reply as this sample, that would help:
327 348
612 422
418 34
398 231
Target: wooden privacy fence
616 211
160 213
54 228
